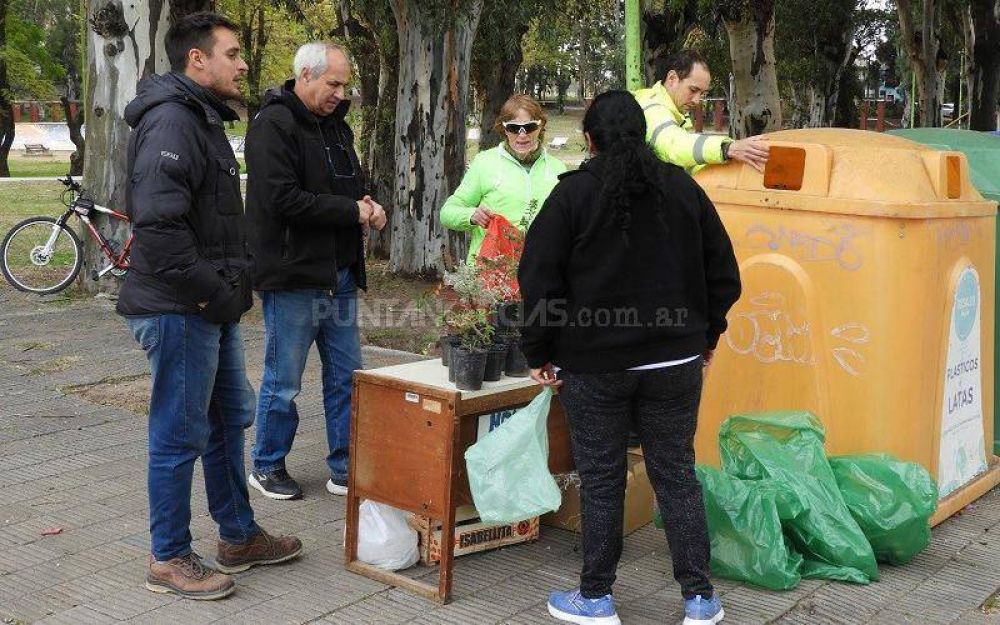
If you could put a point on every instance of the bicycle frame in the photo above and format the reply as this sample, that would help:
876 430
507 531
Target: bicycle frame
81 208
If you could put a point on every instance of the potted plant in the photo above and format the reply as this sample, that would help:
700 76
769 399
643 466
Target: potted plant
496 359
460 289
468 360
498 275
516 364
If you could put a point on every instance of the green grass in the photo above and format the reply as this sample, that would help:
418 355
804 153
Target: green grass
19 200
42 167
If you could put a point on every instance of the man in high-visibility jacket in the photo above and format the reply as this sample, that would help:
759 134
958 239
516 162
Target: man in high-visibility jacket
670 132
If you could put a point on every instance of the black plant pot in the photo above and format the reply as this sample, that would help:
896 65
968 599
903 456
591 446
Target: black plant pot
517 364
468 368
496 358
447 343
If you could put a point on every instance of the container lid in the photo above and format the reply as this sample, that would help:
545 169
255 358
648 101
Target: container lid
854 172
981 149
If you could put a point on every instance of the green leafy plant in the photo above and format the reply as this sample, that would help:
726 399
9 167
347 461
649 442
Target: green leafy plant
472 326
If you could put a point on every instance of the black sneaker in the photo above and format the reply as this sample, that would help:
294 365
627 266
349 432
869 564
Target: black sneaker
275 484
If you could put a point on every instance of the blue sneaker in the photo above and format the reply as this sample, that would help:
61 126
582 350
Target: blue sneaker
701 611
573 607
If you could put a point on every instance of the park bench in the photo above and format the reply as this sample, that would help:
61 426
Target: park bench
36 149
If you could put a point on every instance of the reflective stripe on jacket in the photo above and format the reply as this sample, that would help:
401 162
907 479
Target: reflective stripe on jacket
671 134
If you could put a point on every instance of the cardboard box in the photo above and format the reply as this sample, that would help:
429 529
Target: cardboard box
471 534
638 499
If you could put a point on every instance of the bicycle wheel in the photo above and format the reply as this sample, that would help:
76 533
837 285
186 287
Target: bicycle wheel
30 267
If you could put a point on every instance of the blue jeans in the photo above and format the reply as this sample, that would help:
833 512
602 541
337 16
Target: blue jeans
293 321
200 404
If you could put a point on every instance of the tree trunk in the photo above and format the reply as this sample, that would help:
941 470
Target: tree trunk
126 45
844 61
75 123
434 57
816 107
922 48
6 113
382 152
374 45
498 85
253 38
751 48
985 89
583 62
663 33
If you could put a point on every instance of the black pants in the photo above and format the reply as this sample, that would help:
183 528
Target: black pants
663 405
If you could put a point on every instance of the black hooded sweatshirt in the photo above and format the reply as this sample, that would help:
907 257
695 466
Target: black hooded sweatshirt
597 301
303 184
183 198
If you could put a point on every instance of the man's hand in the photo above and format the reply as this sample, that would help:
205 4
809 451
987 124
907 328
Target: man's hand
706 358
482 216
377 219
364 211
546 376
753 151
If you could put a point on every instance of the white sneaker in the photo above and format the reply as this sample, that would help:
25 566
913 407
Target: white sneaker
335 488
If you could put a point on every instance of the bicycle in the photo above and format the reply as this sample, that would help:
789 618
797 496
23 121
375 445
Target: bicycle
43 255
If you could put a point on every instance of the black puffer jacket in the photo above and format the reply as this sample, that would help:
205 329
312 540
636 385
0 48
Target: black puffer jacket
184 201
597 301
304 180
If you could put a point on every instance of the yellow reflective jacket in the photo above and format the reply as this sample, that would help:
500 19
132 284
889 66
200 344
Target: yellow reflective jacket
671 134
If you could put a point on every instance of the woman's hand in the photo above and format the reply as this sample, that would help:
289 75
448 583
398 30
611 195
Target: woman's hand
482 216
546 376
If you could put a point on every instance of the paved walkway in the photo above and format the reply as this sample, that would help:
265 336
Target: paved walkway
70 462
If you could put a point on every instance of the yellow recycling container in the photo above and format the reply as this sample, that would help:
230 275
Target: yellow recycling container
868 299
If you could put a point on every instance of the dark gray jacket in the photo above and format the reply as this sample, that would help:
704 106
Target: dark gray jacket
184 201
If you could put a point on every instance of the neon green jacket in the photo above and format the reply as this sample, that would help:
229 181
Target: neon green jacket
497 180
671 134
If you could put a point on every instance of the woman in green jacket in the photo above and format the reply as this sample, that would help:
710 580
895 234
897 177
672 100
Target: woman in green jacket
512 179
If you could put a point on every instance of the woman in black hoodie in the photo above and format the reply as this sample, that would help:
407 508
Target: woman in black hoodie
627 276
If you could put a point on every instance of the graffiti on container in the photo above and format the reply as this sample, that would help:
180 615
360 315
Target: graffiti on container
849 358
769 333
838 247
953 234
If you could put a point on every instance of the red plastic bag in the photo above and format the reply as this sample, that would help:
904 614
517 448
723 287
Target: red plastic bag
499 256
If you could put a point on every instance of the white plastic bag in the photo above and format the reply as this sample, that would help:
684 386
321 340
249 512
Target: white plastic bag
385 539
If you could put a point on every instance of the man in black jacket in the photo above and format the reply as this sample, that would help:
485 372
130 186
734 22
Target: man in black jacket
307 203
187 287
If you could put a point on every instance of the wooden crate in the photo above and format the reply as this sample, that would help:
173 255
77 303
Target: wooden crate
471 535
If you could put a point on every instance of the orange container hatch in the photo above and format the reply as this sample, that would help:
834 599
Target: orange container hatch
868 299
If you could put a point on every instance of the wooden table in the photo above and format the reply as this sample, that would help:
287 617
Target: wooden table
410 428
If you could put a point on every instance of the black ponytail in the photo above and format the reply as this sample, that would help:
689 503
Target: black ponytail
617 126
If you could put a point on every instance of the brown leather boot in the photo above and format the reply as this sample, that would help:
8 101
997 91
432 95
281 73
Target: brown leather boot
188 577
261 549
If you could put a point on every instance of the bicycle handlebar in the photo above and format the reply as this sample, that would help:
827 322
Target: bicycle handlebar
70 183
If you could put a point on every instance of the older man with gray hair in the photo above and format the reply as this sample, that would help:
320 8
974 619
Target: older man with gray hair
309 208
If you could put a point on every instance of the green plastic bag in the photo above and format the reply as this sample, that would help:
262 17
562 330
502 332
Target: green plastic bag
743 523
509 467
891 500
787 447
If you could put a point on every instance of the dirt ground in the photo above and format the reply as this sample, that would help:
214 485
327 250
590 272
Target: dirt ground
396 313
